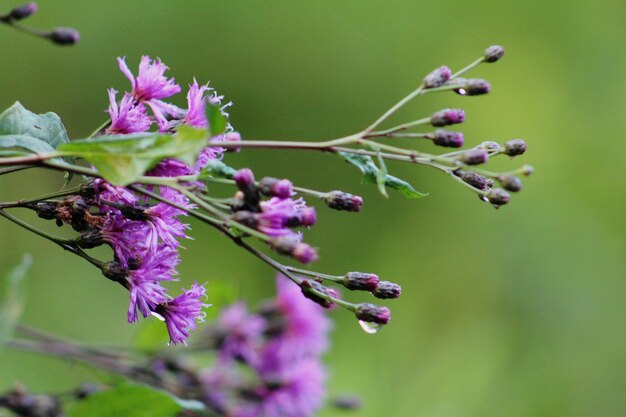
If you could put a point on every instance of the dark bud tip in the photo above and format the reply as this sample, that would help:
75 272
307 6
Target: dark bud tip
493 53
309 287
291 246
386 289
114 271
90 238
23 11
474 179
46 210
515 147
438 77
448 139
498 197
474 157
361 281
85 390
64 36
372 313
339 200
275 187
511 183
473 87
247 218
447 117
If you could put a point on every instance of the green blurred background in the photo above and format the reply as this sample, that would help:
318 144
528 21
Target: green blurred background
516 312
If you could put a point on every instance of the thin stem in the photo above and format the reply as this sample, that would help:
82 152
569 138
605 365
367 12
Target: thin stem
100 129
403 126
333 278
394 109
302 190
22 203
468 68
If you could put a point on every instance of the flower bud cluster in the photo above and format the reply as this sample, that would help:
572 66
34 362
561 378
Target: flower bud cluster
269 208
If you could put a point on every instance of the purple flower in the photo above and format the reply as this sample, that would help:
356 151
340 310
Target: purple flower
151 82
196 102
150 86
145 291
164 217
129 239
128 117
183 312
278 214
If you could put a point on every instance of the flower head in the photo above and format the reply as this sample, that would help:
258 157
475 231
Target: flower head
183 312
151 82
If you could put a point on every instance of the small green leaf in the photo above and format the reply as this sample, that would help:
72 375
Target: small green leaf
122 159
12 301
217 169
403 187
132 400
17 123
373 175
217 121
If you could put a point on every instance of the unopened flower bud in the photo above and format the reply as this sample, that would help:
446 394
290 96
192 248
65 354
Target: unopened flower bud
64 36
493 53
490 146
447 117
372 313
473 87
386 289
308 216
448 139
89 239
247 218
438 77
361 281
114 271
291 246
46 210
498 197
23 11
307 285
275 187
515 147
474 179
526 170
244 178
339 200
232 137
474 157
511 183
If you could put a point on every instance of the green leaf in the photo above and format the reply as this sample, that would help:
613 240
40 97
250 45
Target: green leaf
38 133
381 176
217 121
12 302
217 169
131 400
373 175
122 159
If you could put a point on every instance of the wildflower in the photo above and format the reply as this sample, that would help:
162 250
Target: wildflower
128 117
196 102
182 313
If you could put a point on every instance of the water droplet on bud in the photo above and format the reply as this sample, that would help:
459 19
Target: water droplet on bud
461 92
368 327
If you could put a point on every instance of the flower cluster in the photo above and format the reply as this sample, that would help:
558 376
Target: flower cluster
282 345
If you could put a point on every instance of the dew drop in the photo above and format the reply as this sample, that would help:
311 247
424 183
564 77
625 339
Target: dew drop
484 198
461 92
368 327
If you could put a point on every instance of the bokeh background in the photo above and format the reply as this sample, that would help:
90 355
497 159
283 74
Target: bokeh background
516 312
